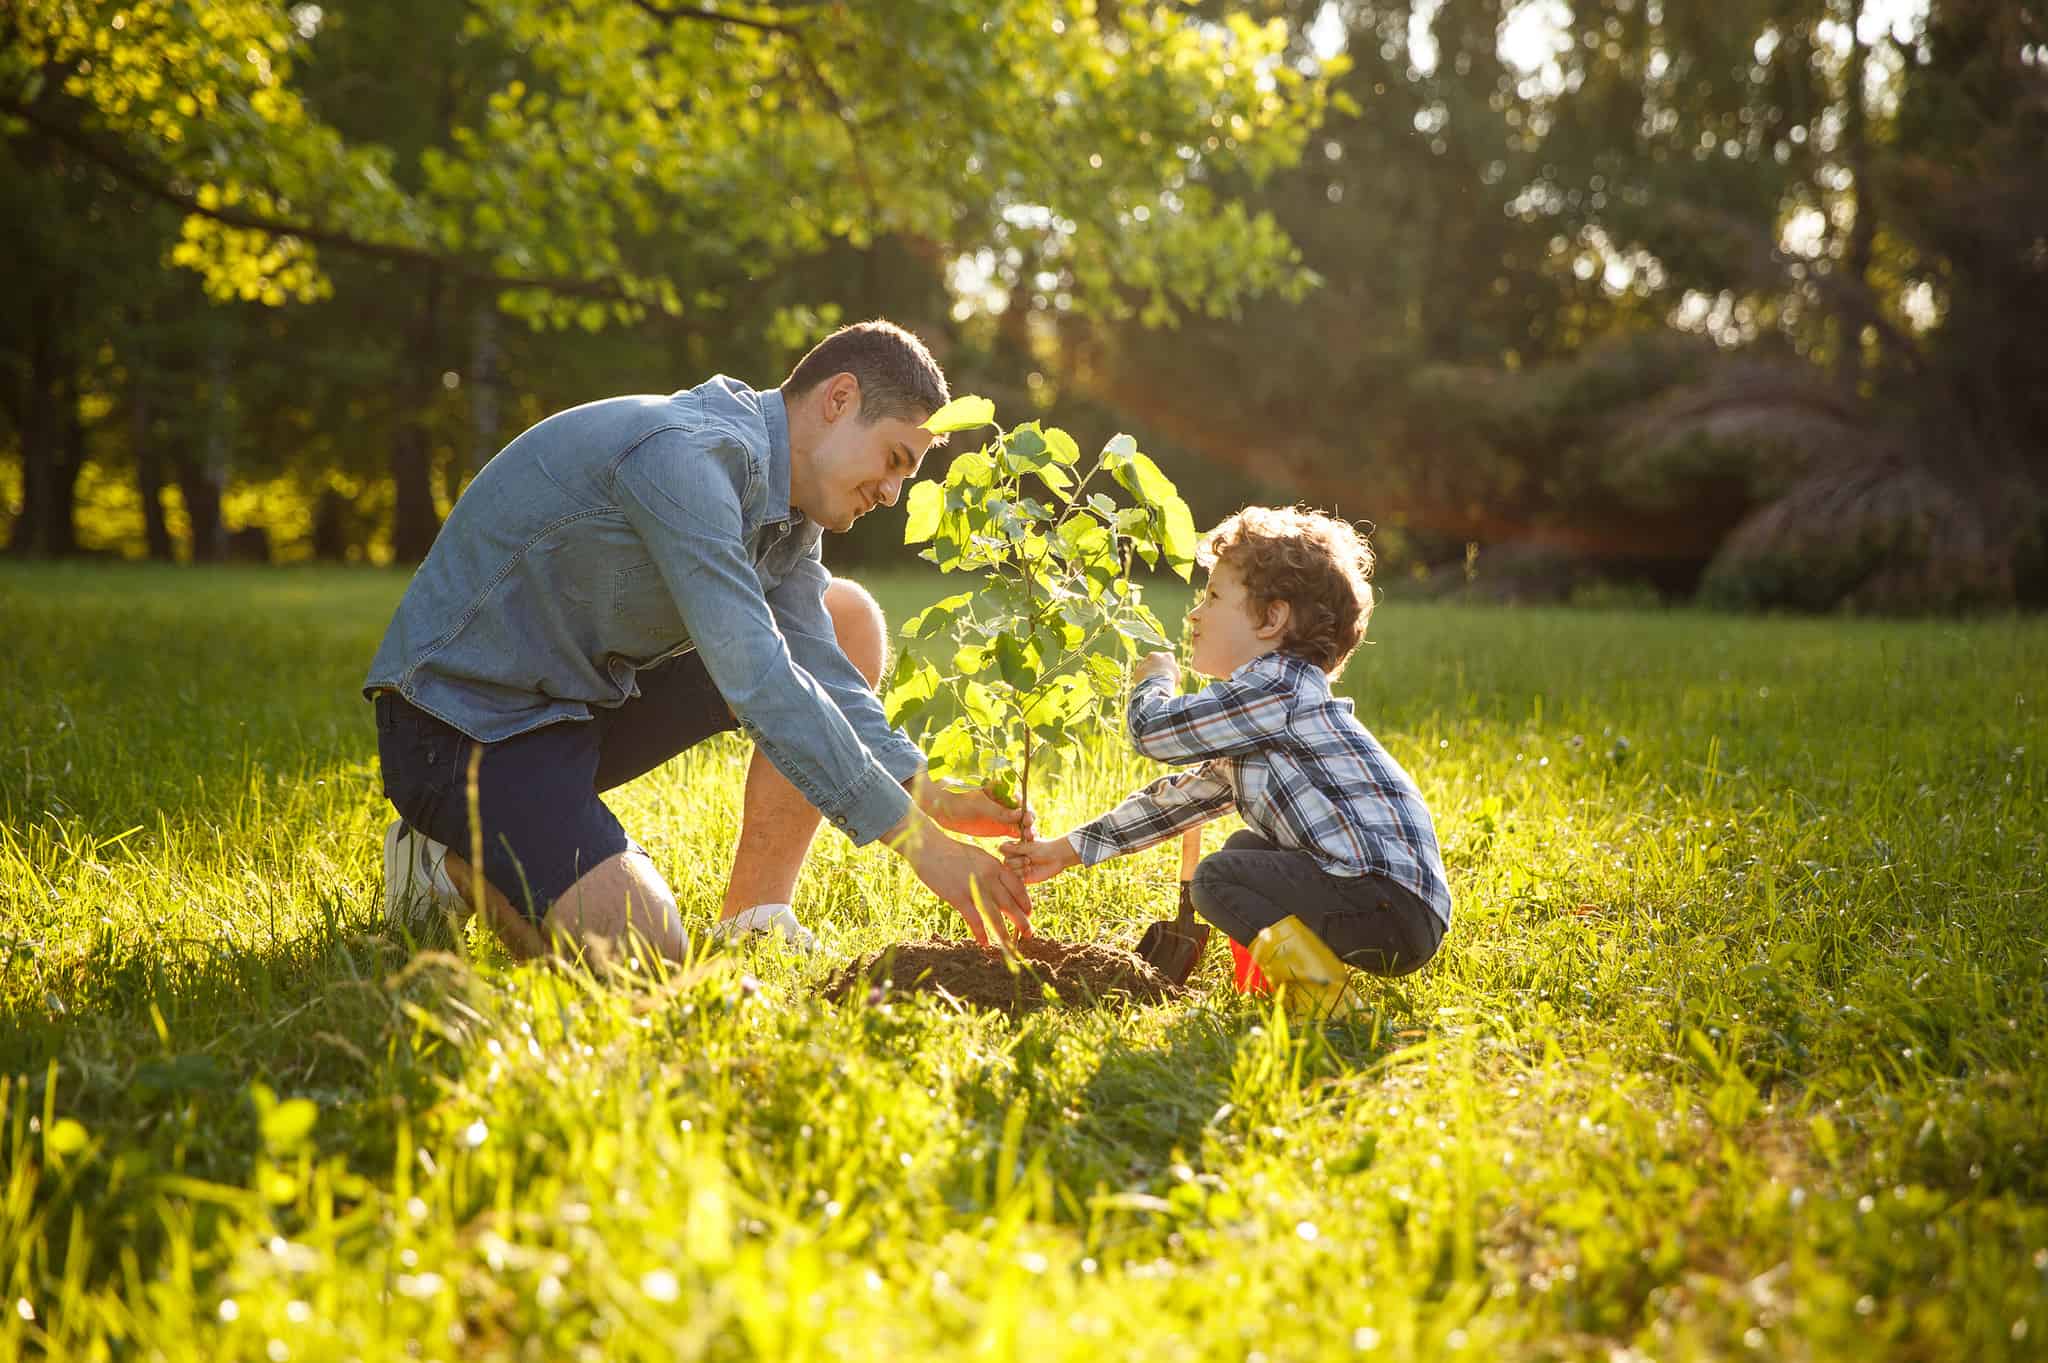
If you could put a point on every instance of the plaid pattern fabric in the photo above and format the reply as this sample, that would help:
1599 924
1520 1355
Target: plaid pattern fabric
1292 759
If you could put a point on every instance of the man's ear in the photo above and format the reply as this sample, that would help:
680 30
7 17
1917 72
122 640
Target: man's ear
1279 615
841 396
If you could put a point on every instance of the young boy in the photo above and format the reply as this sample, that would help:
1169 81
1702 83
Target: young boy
1338 834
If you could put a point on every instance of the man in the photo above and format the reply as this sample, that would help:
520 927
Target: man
627 578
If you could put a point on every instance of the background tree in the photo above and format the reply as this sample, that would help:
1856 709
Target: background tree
1656 290
598 162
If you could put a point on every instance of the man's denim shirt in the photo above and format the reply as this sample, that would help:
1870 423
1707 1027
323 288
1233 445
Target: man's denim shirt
620 533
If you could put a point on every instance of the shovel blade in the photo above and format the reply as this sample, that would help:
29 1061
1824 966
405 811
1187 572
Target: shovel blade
1174 948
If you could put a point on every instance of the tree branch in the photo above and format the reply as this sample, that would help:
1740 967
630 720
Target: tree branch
712 16
139 178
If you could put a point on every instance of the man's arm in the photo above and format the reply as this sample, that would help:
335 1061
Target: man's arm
699 551
798 605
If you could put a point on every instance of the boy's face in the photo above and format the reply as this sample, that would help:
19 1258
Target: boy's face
1224 631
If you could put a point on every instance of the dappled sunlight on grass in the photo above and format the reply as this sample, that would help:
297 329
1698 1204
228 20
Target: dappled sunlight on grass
1733 1046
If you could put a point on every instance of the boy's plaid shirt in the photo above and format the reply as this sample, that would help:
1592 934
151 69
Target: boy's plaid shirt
1295 763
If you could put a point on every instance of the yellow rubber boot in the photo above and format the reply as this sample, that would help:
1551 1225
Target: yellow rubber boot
1317 982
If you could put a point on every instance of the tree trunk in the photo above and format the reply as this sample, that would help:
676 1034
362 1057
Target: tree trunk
202 508
483 386
414 522
63 504
204 480
44 528
149 468
1863 230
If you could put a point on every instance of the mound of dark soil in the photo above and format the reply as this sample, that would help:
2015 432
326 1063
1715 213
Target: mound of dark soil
1080 973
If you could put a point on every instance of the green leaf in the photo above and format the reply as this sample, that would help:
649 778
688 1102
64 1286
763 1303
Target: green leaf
954 751
980 704
1143 480
1017 662
934 619
1024 450
975 470
1083 538
909 696
1178 537
1062 446
1056 478
921 521
1103 505
963 413
1141 630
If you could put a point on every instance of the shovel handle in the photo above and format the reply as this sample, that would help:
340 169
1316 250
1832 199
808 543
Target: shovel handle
1190 853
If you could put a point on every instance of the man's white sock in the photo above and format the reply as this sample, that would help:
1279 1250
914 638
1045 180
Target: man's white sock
778 919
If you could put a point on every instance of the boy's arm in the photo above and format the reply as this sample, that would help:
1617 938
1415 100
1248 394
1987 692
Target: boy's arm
1228 718
1170 805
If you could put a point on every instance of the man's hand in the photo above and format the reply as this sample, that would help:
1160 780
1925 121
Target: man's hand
986 893
1157 665
1036 861
974 812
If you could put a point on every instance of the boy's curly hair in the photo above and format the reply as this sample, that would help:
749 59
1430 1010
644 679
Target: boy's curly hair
1320 566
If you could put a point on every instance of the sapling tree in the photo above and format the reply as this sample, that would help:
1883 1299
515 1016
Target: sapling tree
1025 664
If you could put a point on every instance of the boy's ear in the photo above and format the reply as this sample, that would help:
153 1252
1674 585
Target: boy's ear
1278 616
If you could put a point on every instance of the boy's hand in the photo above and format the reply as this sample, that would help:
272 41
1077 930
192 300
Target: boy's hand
1034 861
1157 665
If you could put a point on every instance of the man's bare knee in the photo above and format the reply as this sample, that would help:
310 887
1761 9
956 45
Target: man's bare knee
621 902
858 621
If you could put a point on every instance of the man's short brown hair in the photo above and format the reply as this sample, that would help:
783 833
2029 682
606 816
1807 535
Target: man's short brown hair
899 379
1320 566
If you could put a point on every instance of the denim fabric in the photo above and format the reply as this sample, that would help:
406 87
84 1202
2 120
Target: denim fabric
614 535
1371 922
537 792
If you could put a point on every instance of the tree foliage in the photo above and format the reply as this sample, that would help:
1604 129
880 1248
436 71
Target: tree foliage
612 159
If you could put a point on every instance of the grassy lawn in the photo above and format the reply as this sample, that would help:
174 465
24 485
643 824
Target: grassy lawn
1733 1049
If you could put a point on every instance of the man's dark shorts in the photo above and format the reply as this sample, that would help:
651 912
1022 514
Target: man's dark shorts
537 794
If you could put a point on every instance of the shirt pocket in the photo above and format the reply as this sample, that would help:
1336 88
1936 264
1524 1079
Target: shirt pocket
645 622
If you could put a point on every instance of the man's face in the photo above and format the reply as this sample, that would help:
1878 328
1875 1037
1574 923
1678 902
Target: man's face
861 465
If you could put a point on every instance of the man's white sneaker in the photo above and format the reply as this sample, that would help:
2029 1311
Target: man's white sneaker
778 920
419 898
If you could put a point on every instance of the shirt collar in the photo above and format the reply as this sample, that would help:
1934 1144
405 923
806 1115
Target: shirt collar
776 414
1280 663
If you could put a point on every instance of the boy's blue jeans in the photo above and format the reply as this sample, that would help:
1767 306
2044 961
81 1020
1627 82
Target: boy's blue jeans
1370 922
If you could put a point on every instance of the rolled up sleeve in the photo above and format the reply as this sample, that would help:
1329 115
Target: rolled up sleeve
798 604
793 715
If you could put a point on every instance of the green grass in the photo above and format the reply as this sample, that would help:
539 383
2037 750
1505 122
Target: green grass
1733 1049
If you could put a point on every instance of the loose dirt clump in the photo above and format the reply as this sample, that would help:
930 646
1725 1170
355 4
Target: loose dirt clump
1080 974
